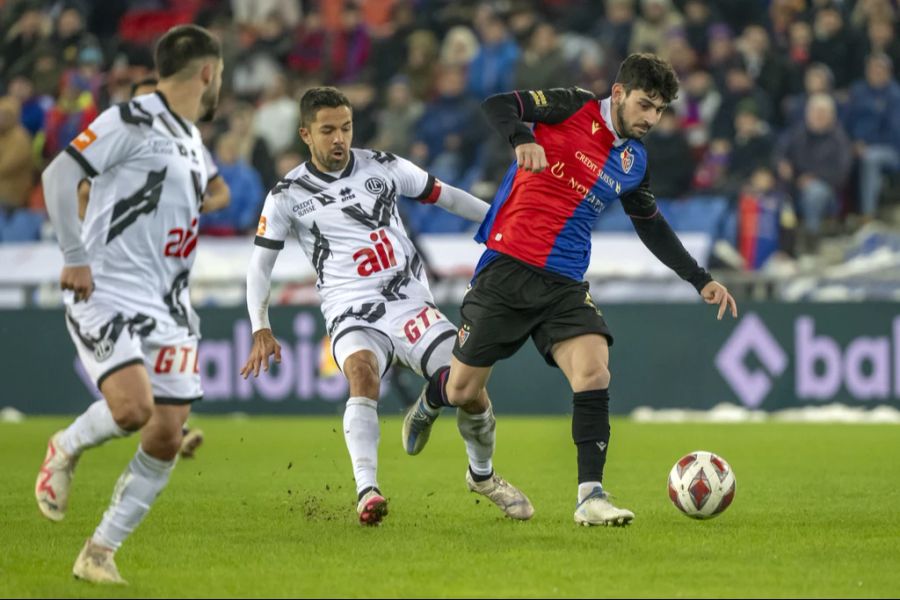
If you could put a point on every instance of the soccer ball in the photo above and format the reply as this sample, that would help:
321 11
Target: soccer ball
701 485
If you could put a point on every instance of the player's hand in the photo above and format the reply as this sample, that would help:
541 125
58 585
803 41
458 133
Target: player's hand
264 346
531 157
79 280
716 293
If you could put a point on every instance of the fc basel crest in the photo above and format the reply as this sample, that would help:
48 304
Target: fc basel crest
627 160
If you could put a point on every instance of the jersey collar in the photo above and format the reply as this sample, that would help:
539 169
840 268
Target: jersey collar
606 113
178 119
330 178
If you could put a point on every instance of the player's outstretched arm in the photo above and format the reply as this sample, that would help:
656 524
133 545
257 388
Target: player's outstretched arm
259 277
462 203
61 179
658 236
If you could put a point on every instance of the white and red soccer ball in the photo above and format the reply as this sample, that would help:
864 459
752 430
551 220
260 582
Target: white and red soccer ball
701 485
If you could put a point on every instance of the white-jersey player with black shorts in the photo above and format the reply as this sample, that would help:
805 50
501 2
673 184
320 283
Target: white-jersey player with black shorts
342 207
128 309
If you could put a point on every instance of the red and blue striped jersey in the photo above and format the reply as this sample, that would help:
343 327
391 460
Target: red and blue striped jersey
545 219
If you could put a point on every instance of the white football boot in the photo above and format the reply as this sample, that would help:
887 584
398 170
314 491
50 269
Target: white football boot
372 508
54 479
508 497
97 565
417 425
596 509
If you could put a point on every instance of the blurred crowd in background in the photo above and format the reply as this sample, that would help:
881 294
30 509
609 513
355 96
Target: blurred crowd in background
788 115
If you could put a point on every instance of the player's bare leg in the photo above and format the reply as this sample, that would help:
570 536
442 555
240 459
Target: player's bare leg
362 434
584 360
126 405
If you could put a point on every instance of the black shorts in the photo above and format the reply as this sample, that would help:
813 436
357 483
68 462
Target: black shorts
510 301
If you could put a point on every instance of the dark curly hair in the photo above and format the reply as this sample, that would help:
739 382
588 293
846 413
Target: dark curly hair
650 73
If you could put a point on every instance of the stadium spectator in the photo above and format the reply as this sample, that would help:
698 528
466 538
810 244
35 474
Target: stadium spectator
24 37
247 192
16 164
739 86
658 18
33 107
817 79
614 31
541 64
768 68
396 122
814 158
697 106
251 147
73 112
421 62
277 117
697 21
494 66
873 123
833 44
459 48
766 220
880 38
752 146
670 155
450 130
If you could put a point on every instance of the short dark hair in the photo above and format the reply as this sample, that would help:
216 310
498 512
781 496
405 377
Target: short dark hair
181 45
145 81
320 97
648 72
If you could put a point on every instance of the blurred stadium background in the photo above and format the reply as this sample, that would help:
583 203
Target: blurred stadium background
778 166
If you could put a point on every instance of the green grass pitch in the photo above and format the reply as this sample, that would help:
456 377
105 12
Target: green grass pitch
267 509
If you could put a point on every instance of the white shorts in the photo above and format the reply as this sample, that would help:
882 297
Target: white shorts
109 339
411 332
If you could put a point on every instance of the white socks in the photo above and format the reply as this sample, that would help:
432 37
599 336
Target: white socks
137 488
93 427
478 433
361 432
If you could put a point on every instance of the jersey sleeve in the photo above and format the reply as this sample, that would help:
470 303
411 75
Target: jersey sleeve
509 112
415 183
274 225
109 140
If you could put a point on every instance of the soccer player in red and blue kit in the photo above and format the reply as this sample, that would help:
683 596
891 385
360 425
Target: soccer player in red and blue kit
583 154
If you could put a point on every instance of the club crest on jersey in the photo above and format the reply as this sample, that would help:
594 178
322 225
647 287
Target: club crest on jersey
103 349
627 160
375 185
463 335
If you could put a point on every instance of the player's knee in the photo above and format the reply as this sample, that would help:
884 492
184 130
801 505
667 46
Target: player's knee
133 415
463 393
363 378
477 406
163 443
596 377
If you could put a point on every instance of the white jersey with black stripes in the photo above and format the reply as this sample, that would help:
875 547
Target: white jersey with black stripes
149 170
349 227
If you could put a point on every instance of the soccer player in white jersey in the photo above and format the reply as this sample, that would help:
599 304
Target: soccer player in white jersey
341 205
126 275
216 197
